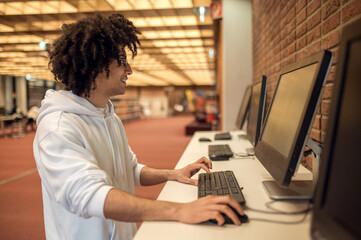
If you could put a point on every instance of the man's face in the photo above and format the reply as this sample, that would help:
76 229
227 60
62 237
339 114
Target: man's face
115 84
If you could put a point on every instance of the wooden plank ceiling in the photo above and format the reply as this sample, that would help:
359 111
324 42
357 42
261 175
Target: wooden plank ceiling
175 42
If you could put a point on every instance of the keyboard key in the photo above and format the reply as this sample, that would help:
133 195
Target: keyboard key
234 190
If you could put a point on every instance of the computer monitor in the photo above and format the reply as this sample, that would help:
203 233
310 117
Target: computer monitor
256 110
288 123
243 109
337 208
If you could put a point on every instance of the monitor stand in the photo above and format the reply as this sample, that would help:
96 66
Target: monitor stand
298 189
250 151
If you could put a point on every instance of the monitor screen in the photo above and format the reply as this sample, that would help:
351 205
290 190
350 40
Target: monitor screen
288 106
337 208
243 109
256 110
290 116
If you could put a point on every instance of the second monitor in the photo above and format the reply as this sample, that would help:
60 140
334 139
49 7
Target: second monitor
256 110
243 109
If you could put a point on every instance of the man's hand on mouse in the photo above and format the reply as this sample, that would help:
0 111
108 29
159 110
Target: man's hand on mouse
208 208
184 175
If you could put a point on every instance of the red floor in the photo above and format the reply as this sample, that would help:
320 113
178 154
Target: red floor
157 143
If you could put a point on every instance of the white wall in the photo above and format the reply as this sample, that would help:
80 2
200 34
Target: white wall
237 57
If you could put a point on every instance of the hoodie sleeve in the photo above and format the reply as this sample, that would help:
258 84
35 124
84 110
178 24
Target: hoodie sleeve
70 175
137 167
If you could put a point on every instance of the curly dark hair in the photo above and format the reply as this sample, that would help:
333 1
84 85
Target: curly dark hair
87 47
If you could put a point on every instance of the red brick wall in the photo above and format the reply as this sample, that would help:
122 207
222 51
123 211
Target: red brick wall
285 31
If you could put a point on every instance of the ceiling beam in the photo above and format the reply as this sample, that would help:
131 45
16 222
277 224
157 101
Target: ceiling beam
59 31
127 13
141 40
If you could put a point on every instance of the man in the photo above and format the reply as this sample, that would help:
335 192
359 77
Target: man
87 168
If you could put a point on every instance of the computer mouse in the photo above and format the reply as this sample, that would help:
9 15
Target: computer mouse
204 139
242 218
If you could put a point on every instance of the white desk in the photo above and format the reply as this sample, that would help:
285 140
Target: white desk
250 174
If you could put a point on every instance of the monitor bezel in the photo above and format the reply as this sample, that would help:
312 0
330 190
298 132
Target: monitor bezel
261 110
240 123
321 222
280 167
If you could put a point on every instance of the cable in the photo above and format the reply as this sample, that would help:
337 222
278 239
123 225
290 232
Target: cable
307 152
309 207
279 222
276 211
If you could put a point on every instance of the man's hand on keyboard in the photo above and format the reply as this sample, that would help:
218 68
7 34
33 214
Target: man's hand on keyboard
210 207
184 175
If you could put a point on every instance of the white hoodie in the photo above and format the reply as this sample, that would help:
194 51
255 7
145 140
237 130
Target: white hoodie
81 153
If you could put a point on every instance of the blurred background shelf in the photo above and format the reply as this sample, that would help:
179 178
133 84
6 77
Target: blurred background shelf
127 108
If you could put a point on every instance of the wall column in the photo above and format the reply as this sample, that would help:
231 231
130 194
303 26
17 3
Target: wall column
237 57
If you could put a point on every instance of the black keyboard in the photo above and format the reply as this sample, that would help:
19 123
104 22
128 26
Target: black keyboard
222 136
219 152
220 183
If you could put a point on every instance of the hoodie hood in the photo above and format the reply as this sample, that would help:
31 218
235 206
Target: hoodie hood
71 103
